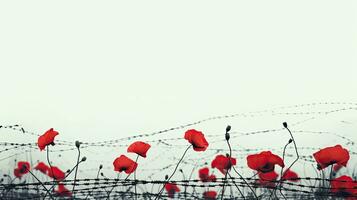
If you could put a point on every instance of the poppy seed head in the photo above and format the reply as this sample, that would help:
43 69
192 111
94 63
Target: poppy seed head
228 128
285 125
78 143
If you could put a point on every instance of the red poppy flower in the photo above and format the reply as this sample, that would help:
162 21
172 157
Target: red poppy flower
267 179
123 163
290 176
23 166
223 163
63 191
344 186
42 167
264 161
204 175
197 139
46 139
139 148
56 173
17 173
209 195
171 189
331 155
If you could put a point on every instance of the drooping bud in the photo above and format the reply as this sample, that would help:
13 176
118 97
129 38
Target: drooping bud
285 125
228 128
78 143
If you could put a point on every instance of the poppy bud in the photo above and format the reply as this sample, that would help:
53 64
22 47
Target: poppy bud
227 154
78 144
101 174
285 125
228 128
1 180
166 177
227 136
84 159
290 140
100 166
181 170
68 171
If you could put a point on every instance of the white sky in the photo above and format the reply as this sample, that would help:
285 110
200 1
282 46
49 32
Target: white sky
99 70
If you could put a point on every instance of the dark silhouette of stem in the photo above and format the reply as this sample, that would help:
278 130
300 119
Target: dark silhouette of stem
75 174
281 173
115 184
49 163
159 194
184 179
295 147
136 160
64 177
230 155
41 183
296 151
224 182
236 185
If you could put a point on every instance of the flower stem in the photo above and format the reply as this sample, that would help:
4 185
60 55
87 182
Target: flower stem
281 173
240 176
41 184
75 174
136 160
64 177
236 185
49 163
115 184
159 194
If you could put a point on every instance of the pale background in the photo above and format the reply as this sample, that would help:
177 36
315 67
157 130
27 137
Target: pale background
101 70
